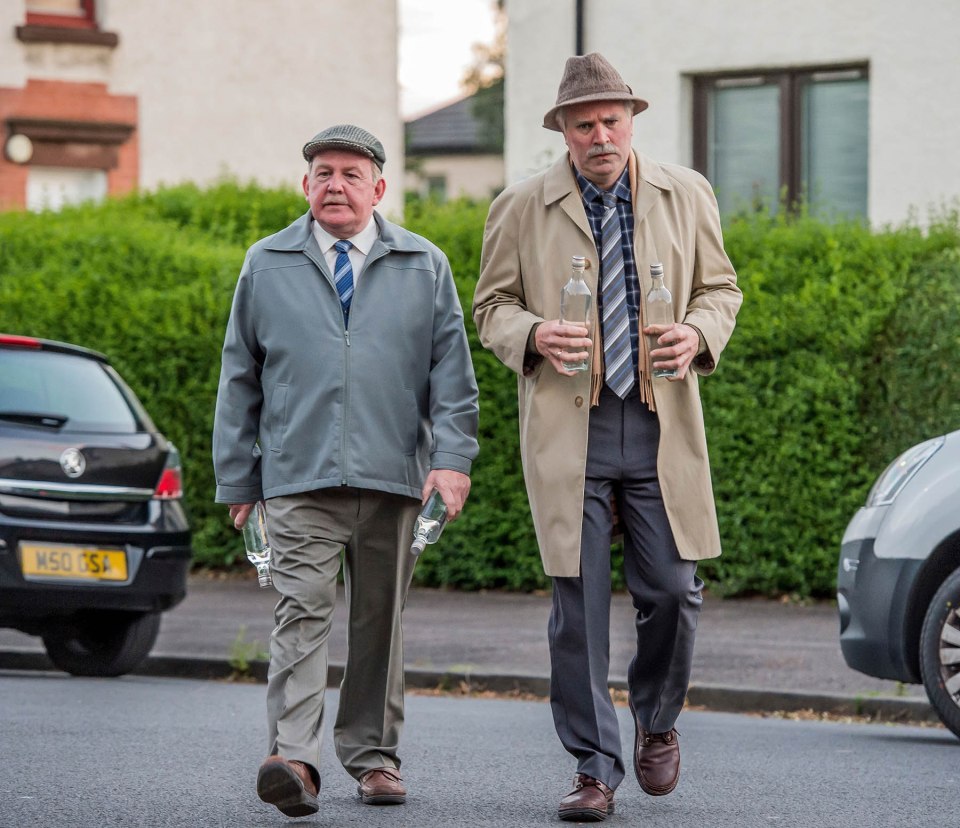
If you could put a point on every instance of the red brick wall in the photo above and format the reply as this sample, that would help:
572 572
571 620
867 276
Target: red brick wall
13 177
63 100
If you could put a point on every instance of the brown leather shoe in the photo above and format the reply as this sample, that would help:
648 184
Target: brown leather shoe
656 759
589 801
382 786
289 786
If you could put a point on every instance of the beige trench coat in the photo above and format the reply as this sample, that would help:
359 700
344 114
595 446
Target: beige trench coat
532 231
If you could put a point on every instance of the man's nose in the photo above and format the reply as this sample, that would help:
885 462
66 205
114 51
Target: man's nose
335 183
601 135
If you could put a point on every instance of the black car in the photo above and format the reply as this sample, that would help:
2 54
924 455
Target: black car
94 539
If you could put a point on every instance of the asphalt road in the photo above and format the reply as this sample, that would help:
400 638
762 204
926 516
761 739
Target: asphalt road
158 752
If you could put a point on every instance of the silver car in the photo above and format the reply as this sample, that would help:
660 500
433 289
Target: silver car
898 581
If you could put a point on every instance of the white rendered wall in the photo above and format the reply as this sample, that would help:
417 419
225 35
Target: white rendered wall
657 45
473 176
235 87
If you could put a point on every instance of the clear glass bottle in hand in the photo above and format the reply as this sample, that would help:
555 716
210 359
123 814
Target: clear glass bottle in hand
257 543
430 523
659 312
576 306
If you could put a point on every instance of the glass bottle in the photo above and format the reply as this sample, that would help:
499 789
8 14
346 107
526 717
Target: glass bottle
659 312
576 306
430 523
257 543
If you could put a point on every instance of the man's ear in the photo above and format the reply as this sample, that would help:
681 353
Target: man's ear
378 190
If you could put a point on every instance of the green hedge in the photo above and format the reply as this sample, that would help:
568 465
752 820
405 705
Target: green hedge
793 437
843 356
155 300
493 544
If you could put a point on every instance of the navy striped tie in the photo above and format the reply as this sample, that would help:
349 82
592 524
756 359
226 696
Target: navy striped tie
617 350
343 277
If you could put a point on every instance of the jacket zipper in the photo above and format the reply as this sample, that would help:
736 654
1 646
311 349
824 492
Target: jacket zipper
346 405
346 376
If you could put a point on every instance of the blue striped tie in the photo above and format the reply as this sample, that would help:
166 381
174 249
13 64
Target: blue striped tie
343 277
617 350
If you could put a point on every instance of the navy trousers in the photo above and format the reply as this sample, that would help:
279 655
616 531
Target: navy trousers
666 592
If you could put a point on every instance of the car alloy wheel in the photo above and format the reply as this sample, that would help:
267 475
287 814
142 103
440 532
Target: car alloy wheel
940 652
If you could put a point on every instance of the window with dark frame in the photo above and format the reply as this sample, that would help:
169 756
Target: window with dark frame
770 137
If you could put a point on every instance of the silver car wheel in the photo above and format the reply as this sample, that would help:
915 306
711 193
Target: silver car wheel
940 652
950 655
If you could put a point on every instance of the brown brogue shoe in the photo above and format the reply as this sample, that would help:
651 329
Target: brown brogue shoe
656 759
289 786
589 801
382 786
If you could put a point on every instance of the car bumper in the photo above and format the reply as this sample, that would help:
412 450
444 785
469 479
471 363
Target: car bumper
157 557
872 596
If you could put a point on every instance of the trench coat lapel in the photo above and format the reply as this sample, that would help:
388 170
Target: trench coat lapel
560 186
647 182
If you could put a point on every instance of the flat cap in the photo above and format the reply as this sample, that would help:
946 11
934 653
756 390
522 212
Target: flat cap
346 137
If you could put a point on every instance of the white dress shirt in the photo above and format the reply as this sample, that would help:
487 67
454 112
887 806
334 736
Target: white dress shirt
362 242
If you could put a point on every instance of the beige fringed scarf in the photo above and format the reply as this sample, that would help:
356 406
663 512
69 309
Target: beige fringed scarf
596 366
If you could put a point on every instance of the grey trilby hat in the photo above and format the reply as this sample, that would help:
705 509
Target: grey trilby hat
590 78
346 137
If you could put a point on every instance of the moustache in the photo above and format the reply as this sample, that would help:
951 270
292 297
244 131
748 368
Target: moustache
602 149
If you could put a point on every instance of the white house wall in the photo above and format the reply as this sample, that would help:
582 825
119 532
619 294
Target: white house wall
658 45
472 176
235 87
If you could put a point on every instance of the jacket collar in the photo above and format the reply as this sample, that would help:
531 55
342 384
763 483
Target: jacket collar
297 237
647 180
559 180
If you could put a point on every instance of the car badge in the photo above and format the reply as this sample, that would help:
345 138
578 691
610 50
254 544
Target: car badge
73 462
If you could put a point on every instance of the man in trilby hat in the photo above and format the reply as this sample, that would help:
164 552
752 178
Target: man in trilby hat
613 441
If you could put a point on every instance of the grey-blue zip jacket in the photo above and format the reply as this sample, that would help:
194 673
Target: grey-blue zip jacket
305 403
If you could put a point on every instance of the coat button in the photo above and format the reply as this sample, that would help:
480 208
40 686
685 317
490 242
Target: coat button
578 402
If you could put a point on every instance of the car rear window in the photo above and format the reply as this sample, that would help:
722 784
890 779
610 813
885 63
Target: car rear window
44 383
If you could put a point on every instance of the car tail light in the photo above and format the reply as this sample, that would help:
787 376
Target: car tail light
20 341
170 485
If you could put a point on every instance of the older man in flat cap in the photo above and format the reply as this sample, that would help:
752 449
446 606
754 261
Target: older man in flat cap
614 439
347 394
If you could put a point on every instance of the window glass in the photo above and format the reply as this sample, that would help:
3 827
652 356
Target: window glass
743 149
794 134
44 382
834 129
52 188
66 7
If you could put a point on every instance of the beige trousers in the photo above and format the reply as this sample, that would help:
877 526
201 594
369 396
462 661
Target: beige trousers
308 531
